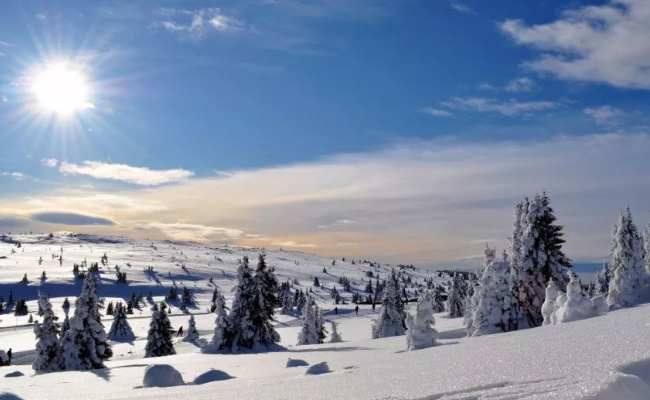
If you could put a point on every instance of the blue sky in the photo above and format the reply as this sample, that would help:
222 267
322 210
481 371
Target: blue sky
321 110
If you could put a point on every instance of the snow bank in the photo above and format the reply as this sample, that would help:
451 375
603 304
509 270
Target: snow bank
573 305
214 375
14 374
318 369
162 375
296 363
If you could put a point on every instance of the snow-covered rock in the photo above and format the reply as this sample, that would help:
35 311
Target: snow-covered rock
162 375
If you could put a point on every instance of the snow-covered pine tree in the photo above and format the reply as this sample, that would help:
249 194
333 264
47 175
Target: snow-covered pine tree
602 280
120 328
240 331
646 249
320 325
573 305
514 256
471 302
335 337
264 303
48 349
85 344
549 307
494 312
65 326
219 341
192 334
391 321
455 301
309 330
159 337
438 302
541 259
420 333
628 270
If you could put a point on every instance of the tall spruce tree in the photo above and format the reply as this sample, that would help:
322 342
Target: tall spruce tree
455 300
48 349
264 303
391 321
159 337
541 259
219 341
489 256
628 270
309 328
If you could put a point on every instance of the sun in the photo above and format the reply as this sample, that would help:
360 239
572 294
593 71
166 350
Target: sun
61 89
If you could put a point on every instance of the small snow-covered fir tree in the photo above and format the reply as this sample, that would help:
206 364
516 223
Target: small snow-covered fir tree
65 326
455 301
541 260
85 345
320 325
192 334
471 302
241 331
420 333
602 278
219 340
550 303
391 321
628 270
494 311
335 337
120 328
48 349
309 330
573 305
159 337
438 302
514 256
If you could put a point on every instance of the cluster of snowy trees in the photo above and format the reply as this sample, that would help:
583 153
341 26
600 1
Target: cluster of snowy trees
533 284
249 323
80 344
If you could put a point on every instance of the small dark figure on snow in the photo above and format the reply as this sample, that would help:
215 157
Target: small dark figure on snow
373 306
356 310
180 332
336 310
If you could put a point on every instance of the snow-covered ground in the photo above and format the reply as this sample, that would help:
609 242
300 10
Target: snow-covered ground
607 357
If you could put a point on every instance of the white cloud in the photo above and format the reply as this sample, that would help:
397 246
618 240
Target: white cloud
197 23
338 223
460 7
125 173
520 85
602 43
193 232
437 112
103 203
605 115
50 162
19 176
486 86
508 108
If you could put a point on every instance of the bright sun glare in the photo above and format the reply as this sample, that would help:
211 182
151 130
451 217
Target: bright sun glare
61 89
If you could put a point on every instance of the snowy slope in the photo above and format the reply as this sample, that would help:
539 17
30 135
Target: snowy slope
606 357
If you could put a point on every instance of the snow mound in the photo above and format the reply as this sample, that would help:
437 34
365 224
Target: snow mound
317 369
214 375
162 375
296 363
14 374
9 396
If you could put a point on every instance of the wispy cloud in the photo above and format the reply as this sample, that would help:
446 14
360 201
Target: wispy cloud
18 176
436 112
192 232
197 22
592 43
460 7
125 173
50 162
510 108
605 115
291 243
338 223
520 85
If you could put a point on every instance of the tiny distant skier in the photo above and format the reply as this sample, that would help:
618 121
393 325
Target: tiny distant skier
336 310
373 306
356 310
180 332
